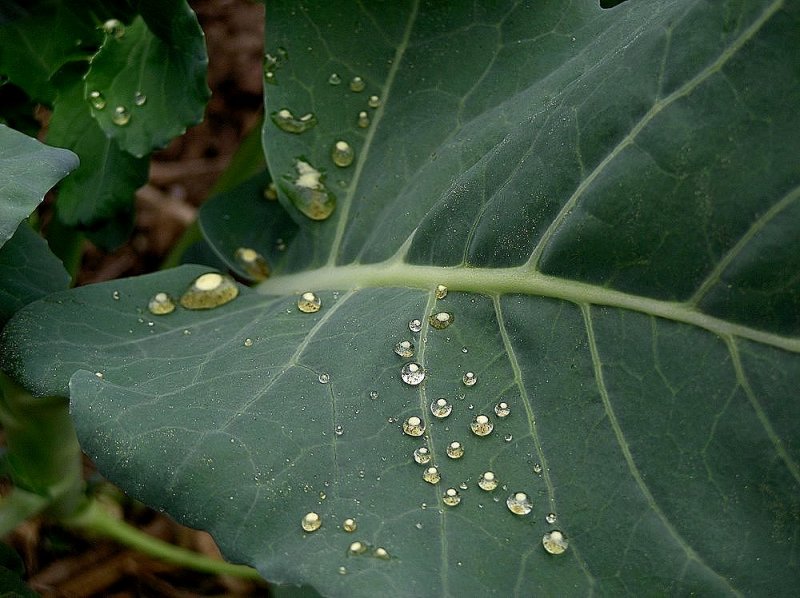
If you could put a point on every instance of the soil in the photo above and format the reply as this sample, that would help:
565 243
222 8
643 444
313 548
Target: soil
64 565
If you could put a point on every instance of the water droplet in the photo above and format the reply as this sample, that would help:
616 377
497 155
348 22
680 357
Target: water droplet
374 101
286 121
99 375
404 349
121 116
519 503
208 291
342 570
324 378
342 154
363 119
381 553
415 325
422 455
455 450
441 320
373 394
481 426
469 379
441 291
309 302
502 409
139 99
338 430
464 349
248 342
114 28
357 84
550 518
115 295
537 469
418 525
451 497
431 475
349 525
414 426
253 263
412 374
97 100
271 64
308 192
554 542
357 548
334 79
487 481
441 408
508 437
311 522
271 192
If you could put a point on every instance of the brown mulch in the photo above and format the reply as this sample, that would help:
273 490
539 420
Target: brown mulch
59 563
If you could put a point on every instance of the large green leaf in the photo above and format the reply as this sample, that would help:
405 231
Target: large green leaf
28 169
611 197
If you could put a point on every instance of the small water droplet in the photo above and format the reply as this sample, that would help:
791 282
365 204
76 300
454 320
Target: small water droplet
115 295
271 192
349 525
311 522
338 430
114 28
441 320
463 485
455 450
441 408
414 426
248 342
121 116
363 119
487 481
441 291
537 469
99 375
139 99
342 154
289 123
373 394
208 291
412 374
469 379
342 570
418 525
508 437
357 548
464 349
415 325
334 79
431 475
272 63
519 503
309 303
357 84
97 100
324 378
481 426
451 497
374 101
502 409
554 542
422 455
404 349
381 553
253 263
308 192
550 518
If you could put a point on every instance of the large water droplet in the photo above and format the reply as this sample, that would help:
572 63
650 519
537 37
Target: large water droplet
209 291
114 28
97 100
441 408
441 320
404 349
357 84
414 426
286 121
431 475
455 450
308 192
349 525
161 304
253 263
487 481
363 119
470 379
422 455
554 542
412 373
311 522
381 553
309 303
481 426
342 154
451 497
502 409
519 503
121 116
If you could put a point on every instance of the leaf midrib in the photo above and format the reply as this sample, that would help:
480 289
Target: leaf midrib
518 280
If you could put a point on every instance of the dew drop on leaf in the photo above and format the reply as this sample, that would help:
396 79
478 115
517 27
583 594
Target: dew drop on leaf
441 408
248 342
309 302
357 548
404 349
415 325
441 320
139 99
487 481
374 101
431 475
508 437
208 291
271 192
550 518
311 522
381 553
308 193
455 450
357 84
342 570
412 374
537 469
413 426
115 295
253 263
502 409
373 394
469 379
349 525
422 455
99 375
519 503
121 116
114 28
324 378
338 430
342 154
451 497
481 426
287 122
441 291
363 119
554 542
334 79
97 100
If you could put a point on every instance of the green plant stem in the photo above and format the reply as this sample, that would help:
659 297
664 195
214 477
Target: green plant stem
18 506
94 519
